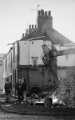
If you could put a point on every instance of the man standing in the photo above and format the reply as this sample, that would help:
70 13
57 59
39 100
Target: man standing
50 61
7 90
20 87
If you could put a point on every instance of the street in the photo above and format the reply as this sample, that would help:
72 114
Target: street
17 116
9 116
13 112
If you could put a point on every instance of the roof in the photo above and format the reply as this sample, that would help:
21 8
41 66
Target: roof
57 38
51 34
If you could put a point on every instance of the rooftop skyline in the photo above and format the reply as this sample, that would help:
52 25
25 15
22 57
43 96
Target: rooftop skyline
16 15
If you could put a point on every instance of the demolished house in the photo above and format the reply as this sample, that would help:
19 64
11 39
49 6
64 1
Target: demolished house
24 59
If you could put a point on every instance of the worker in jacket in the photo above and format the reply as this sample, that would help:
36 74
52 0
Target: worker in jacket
20 90
7 90
50 61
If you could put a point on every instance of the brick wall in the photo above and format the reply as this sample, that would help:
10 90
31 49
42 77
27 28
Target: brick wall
44 20
66 89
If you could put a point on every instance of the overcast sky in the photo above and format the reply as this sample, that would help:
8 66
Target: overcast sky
16 15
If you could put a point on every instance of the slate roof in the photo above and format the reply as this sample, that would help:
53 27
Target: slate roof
51 34
57 38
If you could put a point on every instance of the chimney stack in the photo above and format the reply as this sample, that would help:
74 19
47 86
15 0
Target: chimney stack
44 17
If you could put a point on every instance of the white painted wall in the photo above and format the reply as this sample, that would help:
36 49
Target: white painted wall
2 82
24 52
29 49
66 60
9 69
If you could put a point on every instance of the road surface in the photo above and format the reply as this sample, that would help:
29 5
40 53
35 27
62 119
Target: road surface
9 116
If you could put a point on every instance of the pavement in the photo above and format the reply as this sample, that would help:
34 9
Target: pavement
24 108
20 108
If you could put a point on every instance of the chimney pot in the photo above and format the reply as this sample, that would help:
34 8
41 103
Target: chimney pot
29 26
23 35
49 13
30 29
42 12
45 13
39 12
27 31
32 26
35 26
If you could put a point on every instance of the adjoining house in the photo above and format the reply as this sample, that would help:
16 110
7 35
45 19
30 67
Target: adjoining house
27 52
1 72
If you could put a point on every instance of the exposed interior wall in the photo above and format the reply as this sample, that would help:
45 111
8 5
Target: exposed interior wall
66 89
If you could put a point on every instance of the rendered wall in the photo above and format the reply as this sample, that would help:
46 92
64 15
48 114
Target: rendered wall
28 50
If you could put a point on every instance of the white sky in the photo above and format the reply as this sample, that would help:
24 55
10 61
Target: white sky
16 15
